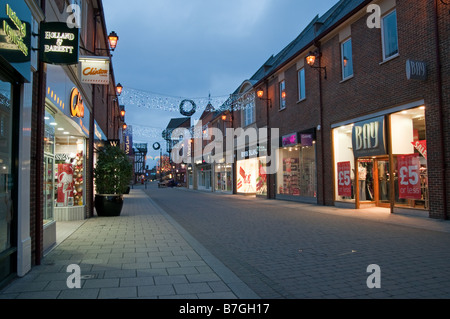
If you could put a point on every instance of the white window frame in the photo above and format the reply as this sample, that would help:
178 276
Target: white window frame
249 114
344 77
385 58
301 84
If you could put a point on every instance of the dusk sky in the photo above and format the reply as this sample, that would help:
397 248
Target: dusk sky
171 50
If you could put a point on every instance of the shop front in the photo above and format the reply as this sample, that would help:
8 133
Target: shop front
204 174
296 176
251 173
65 144
17 59
223 179
381 161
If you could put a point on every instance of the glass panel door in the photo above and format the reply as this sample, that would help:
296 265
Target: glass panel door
383 182
365 180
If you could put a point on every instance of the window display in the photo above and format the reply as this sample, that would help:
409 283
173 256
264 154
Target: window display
410 158
69 174
251 176
223 178
298 171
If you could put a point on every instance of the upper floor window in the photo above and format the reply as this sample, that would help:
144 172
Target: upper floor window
347 59
249 113
390 35
282 95
301 84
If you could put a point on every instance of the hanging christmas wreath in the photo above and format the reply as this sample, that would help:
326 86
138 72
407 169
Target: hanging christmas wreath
156 146
185 112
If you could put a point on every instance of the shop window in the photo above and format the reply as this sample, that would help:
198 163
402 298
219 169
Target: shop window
251 176
344 164
297 175
389 35
282 90
49 162
301 85
347 59
69 172
410 158
6 176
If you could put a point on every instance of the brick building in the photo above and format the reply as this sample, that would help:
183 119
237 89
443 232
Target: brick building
362 108
52 115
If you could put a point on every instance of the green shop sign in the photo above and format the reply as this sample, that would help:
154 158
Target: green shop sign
15 35
59 44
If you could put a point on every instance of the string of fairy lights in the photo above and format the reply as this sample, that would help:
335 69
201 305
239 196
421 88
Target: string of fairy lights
184 106
169 103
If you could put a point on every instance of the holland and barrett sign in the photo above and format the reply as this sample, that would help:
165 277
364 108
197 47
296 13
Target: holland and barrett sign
59 44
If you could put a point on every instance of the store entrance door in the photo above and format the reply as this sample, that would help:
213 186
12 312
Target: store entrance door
373 182
383 181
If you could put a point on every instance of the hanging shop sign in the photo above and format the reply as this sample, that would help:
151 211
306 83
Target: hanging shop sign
59 44
128 138
289 140
368 138
94 71
114 143
344 179
416 70
409 176
15 35
76 104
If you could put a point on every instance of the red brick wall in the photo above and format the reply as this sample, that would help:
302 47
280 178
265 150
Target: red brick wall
375 87
444 45
378 86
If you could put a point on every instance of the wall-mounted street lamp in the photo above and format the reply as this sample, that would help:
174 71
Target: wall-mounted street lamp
113 38
119 89
124 126
311 61
260 95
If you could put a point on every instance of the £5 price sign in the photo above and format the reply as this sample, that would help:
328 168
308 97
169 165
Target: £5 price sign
409 176
344 179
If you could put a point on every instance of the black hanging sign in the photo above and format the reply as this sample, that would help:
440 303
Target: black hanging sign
59 44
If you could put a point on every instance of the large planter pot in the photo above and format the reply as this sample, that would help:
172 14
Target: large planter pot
108 205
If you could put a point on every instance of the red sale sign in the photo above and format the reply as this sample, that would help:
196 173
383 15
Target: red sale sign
344 179
408 176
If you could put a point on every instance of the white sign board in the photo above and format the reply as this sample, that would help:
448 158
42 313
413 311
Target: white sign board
94 71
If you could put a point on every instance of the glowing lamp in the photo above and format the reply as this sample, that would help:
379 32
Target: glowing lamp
119 89
311 59
113 38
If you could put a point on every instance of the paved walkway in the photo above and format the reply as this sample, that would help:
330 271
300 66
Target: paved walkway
143 253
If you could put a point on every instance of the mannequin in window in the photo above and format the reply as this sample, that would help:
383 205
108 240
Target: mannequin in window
362 173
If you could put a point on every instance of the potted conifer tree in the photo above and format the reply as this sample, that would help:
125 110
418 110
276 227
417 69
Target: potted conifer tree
113 172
